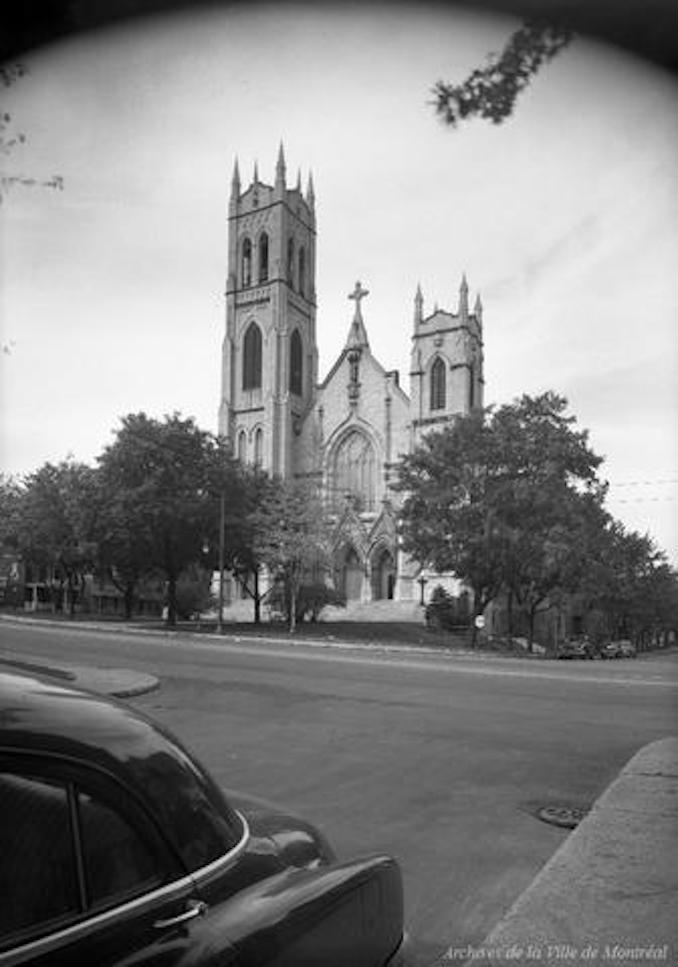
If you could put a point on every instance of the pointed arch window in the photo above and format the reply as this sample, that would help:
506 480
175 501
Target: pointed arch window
263 257
438 384
258 447
296 364
355 472
290 261
246 267
301 275
242 446
251 358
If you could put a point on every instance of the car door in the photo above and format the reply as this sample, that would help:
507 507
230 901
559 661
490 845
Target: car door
88 877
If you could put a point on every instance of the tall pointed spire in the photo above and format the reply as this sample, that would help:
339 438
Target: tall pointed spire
463 297
418 305
280 171
235 180
255 178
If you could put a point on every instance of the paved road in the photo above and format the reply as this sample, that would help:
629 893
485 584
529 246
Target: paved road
439 761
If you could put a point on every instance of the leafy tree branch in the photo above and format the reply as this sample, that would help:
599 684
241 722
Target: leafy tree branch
491 92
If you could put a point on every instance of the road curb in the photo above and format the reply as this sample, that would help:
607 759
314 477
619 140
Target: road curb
118 682
607 895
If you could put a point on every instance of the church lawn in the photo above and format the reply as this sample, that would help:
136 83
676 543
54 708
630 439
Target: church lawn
378 633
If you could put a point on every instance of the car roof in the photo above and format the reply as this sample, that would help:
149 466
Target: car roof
49 718
41 714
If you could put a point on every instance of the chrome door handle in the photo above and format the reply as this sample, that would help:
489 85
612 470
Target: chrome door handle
194 908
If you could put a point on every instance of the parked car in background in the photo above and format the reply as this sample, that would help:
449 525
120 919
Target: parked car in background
117 848
576 648
618 649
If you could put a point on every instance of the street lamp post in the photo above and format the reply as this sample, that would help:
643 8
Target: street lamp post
422 582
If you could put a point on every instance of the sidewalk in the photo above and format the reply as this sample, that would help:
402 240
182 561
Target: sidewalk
609 895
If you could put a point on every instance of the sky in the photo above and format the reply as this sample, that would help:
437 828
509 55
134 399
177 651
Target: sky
564 219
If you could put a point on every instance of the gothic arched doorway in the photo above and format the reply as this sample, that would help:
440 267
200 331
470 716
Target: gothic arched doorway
351 575
383 575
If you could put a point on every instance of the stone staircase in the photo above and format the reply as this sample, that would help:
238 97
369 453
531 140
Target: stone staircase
359 611
376 611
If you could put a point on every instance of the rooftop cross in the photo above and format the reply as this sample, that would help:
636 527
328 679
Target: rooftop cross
358 294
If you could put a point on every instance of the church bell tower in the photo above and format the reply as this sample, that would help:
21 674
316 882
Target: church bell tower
447 364
269 352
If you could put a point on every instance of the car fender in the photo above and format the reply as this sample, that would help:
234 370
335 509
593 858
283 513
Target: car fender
344 913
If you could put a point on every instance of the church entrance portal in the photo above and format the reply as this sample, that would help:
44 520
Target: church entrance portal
383 576
351 576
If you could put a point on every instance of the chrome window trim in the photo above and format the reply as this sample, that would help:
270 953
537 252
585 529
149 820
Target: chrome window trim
43 944
204 872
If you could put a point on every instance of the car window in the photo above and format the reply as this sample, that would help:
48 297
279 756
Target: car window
190 808
117 862
38 879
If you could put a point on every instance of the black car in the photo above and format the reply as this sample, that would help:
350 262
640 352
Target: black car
116 847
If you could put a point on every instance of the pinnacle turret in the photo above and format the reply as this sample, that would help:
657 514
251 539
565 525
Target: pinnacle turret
310 193
280 170
418 305
478 309
235 180
463 297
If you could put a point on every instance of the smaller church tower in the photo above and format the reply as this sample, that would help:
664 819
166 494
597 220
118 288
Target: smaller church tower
446 373
269 352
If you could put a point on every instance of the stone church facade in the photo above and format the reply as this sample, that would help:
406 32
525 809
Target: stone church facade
347 432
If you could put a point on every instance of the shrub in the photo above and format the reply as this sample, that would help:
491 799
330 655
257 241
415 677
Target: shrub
444 612
193 593
314 597
311 600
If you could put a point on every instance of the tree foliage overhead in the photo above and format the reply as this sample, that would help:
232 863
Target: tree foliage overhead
10 139
490 92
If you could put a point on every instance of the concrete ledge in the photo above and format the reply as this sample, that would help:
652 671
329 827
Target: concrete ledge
609 895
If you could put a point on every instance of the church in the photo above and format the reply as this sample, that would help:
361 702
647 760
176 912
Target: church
347 432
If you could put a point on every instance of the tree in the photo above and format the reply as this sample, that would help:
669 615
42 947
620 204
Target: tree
250 490
10 502
54 527
194 593
504 501
291 540
124 547
549 501
449 519
11 591
491 91
161 477
632 587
